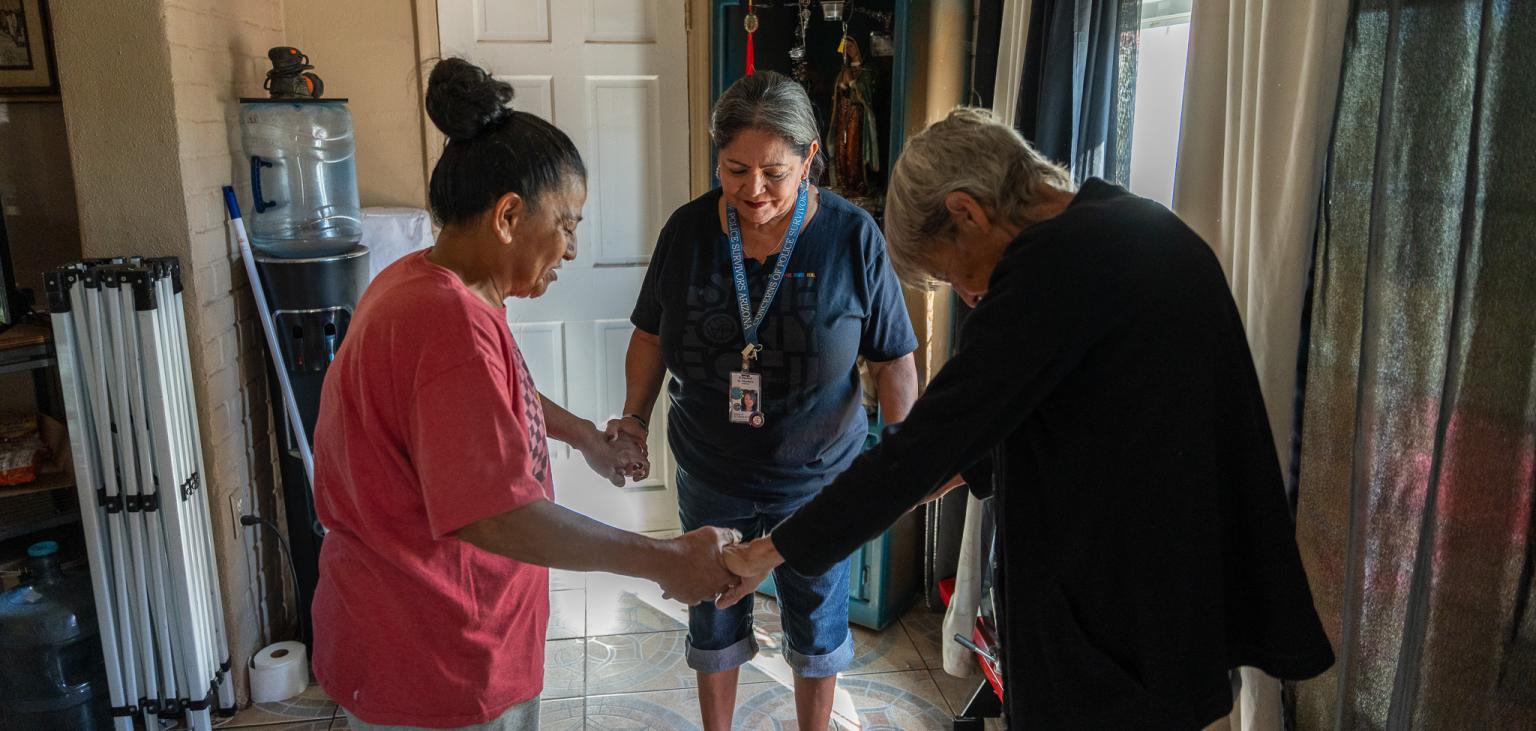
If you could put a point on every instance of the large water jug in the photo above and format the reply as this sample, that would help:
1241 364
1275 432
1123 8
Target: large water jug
303 177
51 673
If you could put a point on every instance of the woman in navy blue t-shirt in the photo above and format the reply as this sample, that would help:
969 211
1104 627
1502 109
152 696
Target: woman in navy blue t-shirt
761 296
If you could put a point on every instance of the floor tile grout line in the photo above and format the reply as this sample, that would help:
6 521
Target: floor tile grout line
912 637
586 626
630 634
942 695
695 688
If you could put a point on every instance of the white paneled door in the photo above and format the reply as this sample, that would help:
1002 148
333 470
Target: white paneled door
613 75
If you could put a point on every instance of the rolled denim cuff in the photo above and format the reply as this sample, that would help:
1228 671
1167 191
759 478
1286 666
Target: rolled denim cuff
820 666
717 661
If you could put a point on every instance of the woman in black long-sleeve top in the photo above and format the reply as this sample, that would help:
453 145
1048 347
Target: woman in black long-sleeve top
1103 392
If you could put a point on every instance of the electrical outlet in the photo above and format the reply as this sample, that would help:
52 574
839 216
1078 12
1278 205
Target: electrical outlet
237 508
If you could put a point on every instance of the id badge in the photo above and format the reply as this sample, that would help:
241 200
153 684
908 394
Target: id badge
746 398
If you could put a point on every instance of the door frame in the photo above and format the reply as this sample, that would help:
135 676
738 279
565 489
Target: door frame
701 178
429 47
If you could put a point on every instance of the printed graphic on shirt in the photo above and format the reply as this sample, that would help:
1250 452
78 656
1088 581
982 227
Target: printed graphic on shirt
712 338
533 414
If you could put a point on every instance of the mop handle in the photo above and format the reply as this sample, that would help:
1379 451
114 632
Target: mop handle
237 228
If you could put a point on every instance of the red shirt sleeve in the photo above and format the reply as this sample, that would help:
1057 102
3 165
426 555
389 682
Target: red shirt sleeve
470 441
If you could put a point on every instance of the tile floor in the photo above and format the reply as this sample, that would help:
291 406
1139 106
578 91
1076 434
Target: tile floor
614 660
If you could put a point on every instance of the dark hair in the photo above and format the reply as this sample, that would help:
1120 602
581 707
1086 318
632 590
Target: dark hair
774 103
492 150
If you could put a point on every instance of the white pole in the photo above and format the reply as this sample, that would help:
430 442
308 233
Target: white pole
66 286
237 229
173 318
97 358
123 358
118 386
150 476
192 663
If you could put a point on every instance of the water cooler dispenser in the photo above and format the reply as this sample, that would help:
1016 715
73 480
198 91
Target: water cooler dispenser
305 224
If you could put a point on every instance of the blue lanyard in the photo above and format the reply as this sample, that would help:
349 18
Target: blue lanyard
749 323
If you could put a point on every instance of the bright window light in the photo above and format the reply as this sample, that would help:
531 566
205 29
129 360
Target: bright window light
1159 104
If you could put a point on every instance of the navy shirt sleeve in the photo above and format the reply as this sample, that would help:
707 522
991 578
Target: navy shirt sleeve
647 313
887 330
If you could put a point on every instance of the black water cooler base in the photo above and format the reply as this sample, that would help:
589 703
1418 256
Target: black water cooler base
311 302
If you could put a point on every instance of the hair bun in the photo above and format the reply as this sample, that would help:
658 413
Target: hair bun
463 100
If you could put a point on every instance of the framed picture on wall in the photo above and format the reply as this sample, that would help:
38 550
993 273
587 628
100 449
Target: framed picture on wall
26 49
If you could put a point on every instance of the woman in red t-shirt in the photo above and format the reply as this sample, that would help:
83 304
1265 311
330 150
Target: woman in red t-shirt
432 471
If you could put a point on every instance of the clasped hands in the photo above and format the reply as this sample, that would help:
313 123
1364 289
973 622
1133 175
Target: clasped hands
712 564
616 452
705 564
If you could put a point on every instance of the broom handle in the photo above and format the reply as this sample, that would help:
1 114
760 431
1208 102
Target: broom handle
237 228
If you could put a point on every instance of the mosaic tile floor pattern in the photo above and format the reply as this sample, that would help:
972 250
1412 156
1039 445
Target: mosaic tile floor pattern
615 661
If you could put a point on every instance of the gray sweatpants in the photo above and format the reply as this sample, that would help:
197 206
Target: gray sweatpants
521 717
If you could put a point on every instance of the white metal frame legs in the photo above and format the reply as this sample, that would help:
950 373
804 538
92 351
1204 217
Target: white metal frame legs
122 349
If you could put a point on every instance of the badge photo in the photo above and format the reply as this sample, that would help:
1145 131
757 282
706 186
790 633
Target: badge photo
746 399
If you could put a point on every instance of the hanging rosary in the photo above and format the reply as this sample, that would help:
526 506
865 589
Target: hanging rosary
751 25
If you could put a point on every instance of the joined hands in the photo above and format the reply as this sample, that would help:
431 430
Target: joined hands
616 455
708 563
712 564
693 566
750 563
632 438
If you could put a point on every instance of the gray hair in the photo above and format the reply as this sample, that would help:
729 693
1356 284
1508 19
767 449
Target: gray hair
971 152
771 102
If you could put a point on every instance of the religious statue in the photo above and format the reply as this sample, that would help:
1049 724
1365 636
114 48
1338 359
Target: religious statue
852 136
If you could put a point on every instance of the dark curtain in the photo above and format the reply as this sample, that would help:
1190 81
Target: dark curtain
1078 90
1418 459
988 30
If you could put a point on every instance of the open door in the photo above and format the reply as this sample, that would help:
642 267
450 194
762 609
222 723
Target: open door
613 75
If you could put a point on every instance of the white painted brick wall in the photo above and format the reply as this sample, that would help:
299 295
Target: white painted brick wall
149 161
218 52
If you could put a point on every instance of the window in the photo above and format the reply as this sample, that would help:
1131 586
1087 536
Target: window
1160 60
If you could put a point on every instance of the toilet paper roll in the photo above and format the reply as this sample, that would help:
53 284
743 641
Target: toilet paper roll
279 672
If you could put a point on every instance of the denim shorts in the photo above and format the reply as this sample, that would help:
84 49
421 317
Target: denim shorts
814 608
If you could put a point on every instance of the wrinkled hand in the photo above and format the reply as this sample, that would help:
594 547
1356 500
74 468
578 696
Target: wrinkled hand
695 572
751 563
615 457
629 431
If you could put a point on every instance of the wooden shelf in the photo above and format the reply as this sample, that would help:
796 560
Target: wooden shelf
7 532
21 336
43 483
25 348
48 501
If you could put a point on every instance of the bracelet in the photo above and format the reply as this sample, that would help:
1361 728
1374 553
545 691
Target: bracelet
643 424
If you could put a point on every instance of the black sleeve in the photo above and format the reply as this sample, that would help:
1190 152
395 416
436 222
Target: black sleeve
978 478
647 313
1032 328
